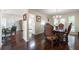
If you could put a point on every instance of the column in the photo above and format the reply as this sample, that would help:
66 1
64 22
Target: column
0 38
24 27
0 33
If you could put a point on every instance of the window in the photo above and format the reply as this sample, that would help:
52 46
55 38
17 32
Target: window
58 21
62 20
71 19
3 22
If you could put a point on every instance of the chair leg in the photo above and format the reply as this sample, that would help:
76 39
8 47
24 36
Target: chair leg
15 32
66 39
61 41
57 42
48 42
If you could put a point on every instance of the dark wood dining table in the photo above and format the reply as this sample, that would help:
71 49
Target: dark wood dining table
59 34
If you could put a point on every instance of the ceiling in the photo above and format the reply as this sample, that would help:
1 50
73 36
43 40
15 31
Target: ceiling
13 11
55 11
44 11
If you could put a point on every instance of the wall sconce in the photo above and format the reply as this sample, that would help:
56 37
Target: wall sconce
25 17
38 18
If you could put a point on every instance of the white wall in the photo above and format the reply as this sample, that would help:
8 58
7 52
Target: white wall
25 28
39 28
10 20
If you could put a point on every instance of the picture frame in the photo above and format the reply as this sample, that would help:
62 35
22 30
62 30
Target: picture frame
38 18
25 17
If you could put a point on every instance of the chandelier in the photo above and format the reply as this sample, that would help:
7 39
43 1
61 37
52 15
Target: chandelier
56 16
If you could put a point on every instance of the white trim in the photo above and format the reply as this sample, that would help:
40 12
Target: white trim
38 33
0 37
74 33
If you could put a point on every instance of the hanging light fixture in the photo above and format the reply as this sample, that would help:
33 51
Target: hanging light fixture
57 16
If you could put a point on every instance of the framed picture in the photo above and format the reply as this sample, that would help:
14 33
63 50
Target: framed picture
25 17
38 18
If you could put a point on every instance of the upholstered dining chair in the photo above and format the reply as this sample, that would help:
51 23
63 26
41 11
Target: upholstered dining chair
13 41
61 26
5 35
68 31
13 30
64 37
49 34
56 27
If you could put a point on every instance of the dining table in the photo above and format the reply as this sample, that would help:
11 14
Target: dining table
59 34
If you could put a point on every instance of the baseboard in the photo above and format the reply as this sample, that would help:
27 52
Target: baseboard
38 33
74 33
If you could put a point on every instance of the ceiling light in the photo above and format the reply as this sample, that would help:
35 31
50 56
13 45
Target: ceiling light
57 16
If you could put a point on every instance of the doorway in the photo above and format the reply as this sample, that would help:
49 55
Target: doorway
31 25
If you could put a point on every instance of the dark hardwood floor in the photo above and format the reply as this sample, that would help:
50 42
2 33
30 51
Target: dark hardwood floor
38 42
20 44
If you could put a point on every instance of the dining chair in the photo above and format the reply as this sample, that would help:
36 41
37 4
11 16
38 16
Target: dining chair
13 41
68 31
13 30
49 34
56 27
64 37
5 36
61 26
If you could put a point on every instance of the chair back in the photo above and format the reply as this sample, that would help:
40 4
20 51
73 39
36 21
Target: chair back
61 26
48 29
13 29
56 27
13 41
69 28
